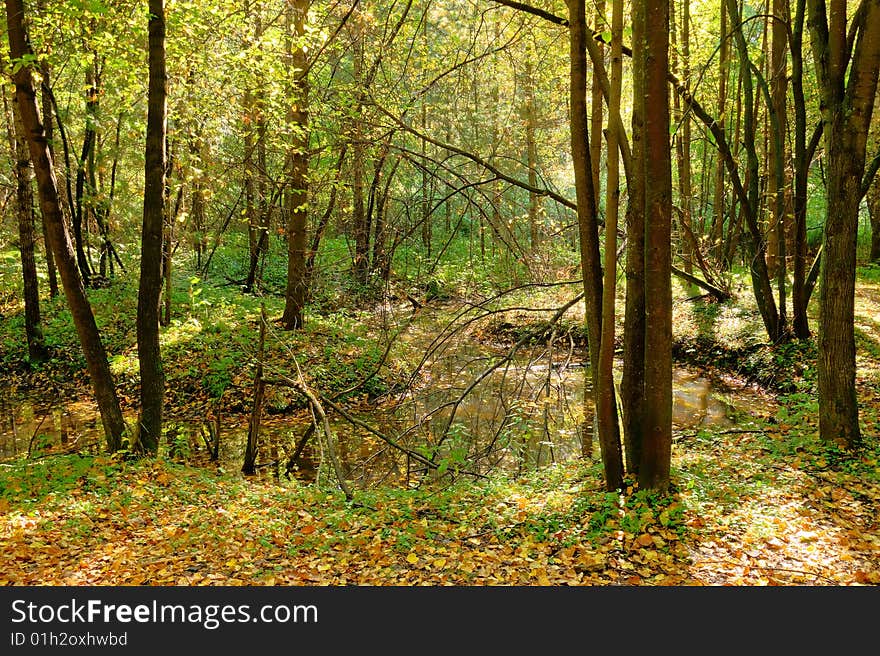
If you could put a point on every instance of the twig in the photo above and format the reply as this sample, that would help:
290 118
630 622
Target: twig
36 430
766 567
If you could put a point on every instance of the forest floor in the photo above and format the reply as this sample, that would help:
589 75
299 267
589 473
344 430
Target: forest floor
761 503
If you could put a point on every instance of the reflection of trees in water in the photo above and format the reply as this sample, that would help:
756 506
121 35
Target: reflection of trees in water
469 406
35 426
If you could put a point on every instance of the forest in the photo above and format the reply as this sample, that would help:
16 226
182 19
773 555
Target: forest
443 292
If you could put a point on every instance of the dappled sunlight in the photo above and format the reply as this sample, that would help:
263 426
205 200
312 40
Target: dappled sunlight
775 523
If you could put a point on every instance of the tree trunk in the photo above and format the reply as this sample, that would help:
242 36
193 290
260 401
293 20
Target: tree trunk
632 384
588 226
778 151
48 126
25 202
252 447
80 211
606 406
847 104
297 196
683 135
596 112
800 299
657 440
756 244
360 229
717 236
531 119
873 199
149 355
59 238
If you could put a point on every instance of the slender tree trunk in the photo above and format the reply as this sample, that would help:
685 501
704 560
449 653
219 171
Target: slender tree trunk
59 238
606 406
800 299
531 116
48 122
249 175
632 384
717 236
25 201
588 226
149 355
318 235
360 229
297 196
683 133
847 75
427 232
80 209
761 284
382 254
596 112
252 447
657 440
778 151
873 199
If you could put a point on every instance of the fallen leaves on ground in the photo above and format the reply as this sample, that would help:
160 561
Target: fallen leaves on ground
70 520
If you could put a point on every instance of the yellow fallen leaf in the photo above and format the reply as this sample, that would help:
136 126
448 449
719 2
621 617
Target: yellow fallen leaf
439 562
412 559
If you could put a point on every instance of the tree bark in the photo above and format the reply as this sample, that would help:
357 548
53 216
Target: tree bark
59 238
778 150
51 270
606 406
25 201
873 199
149 355
657 440
588 226
632 384
756 245
297 196
847 105
531 119
800 299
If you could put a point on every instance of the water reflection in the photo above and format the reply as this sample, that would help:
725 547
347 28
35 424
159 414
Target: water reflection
523 414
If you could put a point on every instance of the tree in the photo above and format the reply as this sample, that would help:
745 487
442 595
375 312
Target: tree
588 226
632 384
149 354
657 427
297 193
24 196
846 59
59 239
606 409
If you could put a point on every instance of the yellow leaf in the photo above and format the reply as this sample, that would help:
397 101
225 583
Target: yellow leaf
412 559
439 562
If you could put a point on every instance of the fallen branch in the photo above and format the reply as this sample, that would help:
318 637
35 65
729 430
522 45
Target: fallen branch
716 292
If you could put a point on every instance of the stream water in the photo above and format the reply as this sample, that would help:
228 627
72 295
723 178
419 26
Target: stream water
473 406
514 419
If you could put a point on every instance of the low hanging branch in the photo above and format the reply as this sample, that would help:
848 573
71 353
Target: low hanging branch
319 416
456 404
301 387
716 292
482 162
